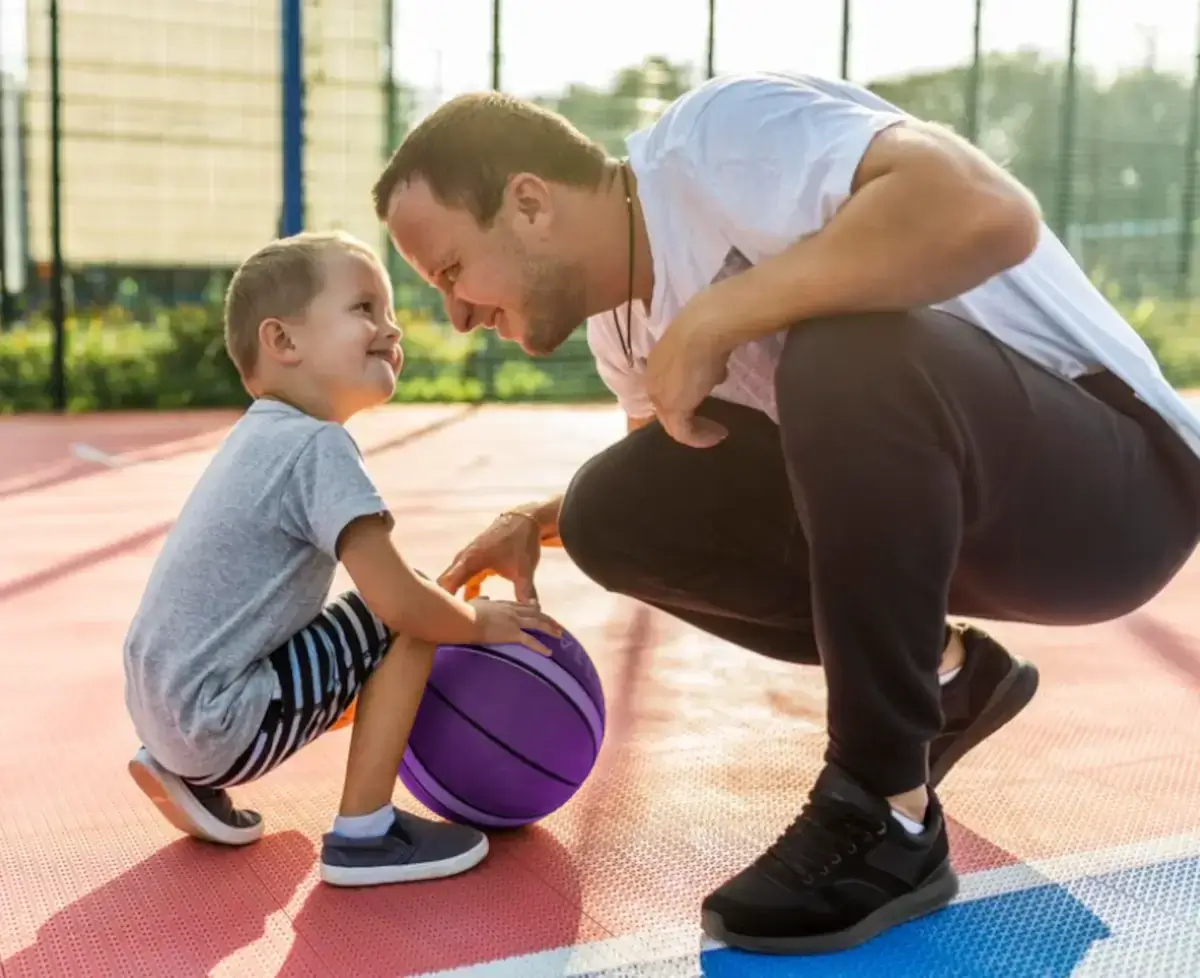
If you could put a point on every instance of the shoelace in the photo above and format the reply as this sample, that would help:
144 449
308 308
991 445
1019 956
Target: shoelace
824 833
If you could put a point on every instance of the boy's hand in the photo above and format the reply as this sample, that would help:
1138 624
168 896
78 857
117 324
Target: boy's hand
505 621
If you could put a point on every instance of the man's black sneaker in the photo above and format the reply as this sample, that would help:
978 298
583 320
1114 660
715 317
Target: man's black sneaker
992 688
844 872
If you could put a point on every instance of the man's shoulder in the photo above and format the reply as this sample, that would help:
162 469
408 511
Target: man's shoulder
735 98
726 116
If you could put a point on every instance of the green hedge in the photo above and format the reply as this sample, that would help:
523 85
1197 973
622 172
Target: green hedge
178 360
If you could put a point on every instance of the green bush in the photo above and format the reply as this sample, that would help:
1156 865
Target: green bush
178 360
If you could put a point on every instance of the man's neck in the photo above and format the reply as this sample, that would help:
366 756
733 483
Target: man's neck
606 247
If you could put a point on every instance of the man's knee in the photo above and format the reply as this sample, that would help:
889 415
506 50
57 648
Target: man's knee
592 520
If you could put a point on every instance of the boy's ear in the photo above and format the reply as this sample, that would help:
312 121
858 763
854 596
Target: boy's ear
276 341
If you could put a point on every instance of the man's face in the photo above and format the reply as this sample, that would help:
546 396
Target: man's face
506 277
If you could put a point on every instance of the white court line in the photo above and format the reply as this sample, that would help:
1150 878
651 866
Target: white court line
647 948
90 453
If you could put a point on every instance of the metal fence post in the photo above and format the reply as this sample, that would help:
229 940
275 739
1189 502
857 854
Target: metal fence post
846 38
1183 285
710 46
491 343
975 78
1066 171
292 80
391 116
58 310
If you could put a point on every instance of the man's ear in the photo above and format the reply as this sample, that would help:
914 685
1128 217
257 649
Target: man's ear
275 340
531 201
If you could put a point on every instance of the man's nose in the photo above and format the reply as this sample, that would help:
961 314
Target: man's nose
459 312
465 316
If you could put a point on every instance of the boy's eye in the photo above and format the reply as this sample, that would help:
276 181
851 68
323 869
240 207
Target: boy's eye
366 305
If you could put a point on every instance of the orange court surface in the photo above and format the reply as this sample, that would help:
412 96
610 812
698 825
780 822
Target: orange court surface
1076 829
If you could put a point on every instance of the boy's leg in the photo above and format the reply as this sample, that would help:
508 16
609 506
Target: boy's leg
205 813
372 842
344 653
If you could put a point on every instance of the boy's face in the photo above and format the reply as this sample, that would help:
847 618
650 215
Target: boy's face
348 345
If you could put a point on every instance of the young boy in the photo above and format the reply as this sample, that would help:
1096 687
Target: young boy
232 662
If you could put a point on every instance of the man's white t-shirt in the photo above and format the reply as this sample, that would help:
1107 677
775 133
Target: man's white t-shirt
743 166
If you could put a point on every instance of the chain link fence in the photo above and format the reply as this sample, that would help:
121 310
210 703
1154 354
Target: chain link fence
174 160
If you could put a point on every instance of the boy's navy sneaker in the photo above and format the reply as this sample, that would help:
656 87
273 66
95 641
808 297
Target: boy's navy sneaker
205 813
992 688
844 872
412 849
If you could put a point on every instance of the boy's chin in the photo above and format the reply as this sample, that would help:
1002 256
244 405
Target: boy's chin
383 393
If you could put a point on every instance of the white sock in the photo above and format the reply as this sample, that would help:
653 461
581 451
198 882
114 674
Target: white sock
365 826
913 828
945 677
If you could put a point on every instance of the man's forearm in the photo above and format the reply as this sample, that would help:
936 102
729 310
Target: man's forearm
924 232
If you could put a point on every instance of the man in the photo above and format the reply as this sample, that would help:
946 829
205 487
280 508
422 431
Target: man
867 389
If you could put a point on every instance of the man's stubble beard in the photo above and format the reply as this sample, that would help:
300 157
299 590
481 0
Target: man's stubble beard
555 305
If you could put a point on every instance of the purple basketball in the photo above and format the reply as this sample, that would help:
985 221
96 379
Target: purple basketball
505 736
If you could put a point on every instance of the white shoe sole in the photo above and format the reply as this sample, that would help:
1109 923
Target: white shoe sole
414 873
180 807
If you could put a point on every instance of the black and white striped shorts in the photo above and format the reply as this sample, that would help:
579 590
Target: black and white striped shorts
320 671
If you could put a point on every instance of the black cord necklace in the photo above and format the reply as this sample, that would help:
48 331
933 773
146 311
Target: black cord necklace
626 338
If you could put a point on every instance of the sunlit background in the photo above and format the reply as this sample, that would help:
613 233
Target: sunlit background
173 158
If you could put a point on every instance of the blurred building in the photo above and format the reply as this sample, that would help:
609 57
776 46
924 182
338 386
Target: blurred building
171 123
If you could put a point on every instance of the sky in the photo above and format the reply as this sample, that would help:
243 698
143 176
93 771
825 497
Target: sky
547 44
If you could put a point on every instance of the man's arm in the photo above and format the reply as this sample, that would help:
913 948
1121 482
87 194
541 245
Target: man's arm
928 218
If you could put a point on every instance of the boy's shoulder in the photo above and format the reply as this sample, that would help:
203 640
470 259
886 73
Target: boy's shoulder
274 428
272 445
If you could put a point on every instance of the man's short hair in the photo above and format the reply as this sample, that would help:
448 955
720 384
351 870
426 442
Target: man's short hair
468 149
280 280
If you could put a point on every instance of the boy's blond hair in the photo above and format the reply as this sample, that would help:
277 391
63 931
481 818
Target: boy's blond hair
280 280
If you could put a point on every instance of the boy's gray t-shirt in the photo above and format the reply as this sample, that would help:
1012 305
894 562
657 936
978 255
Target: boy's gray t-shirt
249 563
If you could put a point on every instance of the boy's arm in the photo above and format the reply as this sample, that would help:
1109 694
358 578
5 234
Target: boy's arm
404 600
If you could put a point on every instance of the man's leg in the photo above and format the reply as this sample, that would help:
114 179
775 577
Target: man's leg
933 471
712 537
936 471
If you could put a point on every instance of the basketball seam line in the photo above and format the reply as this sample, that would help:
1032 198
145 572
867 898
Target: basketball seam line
421 781
528 670
499 743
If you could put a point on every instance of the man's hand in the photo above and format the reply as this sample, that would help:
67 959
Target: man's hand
683 367
511 547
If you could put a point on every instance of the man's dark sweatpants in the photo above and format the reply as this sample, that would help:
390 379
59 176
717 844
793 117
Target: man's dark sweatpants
920 469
